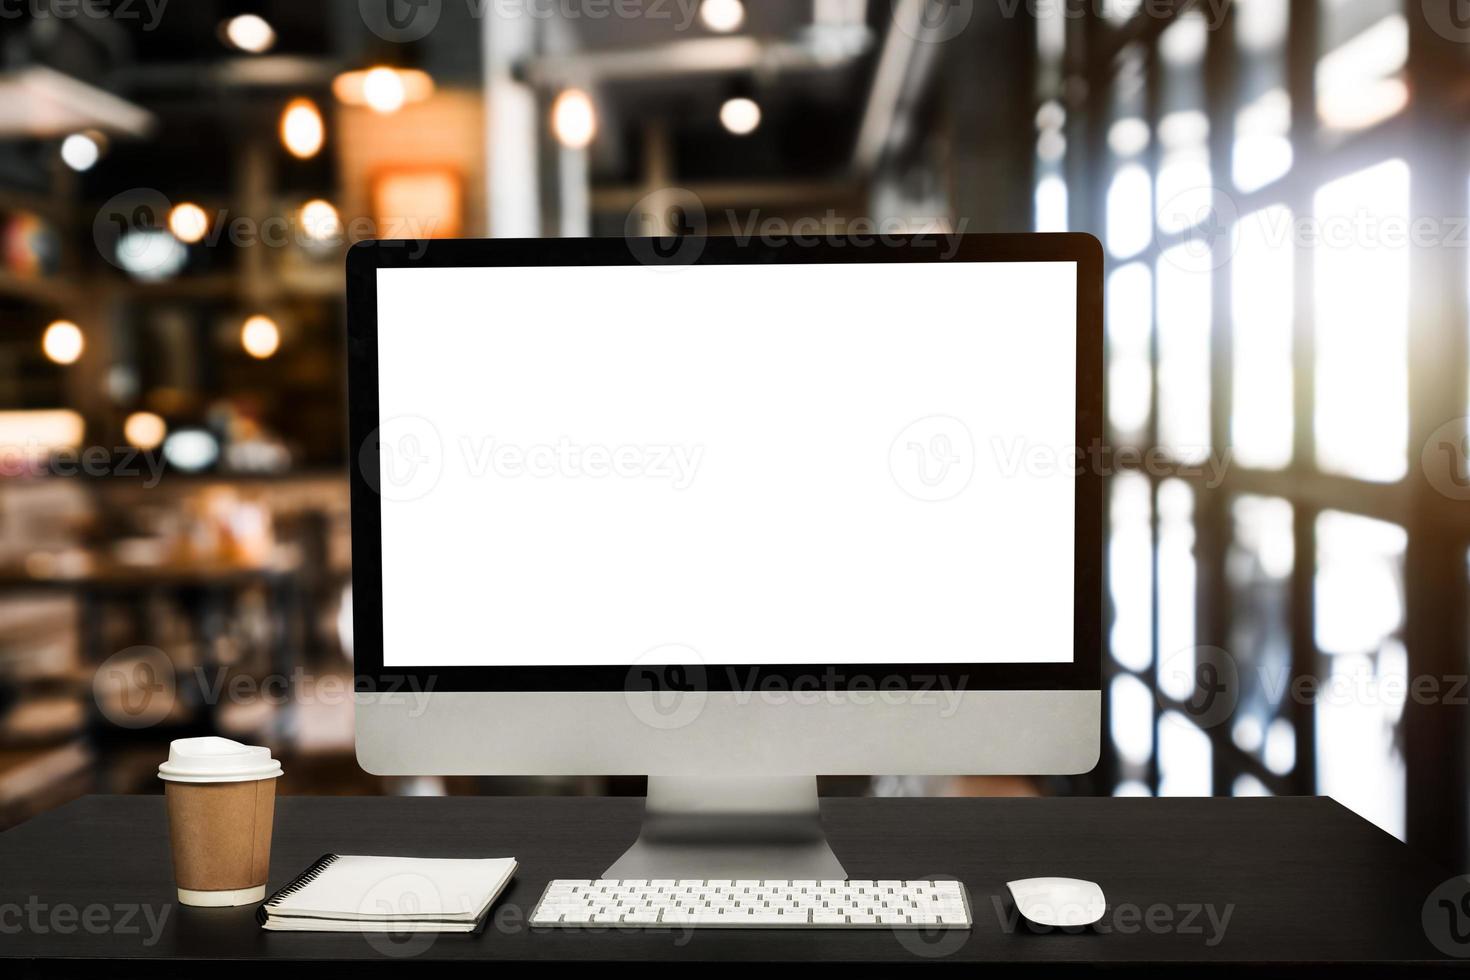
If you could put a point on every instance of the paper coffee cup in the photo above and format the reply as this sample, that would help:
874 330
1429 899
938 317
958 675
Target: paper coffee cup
221 805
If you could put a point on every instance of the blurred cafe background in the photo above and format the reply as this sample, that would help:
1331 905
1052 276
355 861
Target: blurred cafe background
1280 188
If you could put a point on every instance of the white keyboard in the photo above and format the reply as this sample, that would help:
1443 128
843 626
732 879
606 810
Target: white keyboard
766 904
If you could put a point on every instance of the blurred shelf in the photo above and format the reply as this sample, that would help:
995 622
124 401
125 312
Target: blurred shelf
104 574
52 290
33 780
327 282
47 205
212 286
100 481
43 720
324 281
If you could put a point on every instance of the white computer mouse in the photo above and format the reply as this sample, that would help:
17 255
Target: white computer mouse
1058 901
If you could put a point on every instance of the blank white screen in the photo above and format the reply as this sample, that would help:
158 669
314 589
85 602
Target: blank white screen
761 464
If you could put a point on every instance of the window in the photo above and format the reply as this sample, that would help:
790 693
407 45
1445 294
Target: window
1184 129
1184 352
1128 219
1184 757
1262 152
1362 322
1259 566
1248 785
1129 298
1051 186
1360 75
1130 572
1262 288
1130 191
1260 247
1360 612
1176 580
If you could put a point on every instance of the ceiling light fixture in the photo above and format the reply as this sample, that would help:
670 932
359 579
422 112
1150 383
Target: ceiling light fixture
260 337
191 450
573 119
740 115
80 152
63 342
188 222
320 221
249 33
383 89
144 430
302 130
722 16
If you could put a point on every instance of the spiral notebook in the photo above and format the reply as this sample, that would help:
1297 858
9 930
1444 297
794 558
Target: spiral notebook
353 893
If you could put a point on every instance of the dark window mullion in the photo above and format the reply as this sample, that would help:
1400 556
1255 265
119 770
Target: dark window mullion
1301 63
1214 605
1151 111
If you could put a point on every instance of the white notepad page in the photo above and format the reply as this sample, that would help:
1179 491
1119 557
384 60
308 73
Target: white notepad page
394 889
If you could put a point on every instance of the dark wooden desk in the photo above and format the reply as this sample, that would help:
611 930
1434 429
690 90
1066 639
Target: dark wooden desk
1306 884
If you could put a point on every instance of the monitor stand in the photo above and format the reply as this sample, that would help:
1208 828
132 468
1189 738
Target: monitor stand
735 828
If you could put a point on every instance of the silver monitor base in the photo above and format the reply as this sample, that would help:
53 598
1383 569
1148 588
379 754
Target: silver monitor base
753 828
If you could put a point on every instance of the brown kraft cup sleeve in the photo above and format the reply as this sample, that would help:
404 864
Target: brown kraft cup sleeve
221 833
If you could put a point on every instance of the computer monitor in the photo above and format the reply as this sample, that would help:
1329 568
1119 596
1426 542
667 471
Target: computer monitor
729 513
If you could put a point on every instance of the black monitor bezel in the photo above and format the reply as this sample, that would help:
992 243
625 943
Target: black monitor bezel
365 258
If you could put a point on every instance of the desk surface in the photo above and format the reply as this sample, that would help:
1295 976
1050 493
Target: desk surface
1303 882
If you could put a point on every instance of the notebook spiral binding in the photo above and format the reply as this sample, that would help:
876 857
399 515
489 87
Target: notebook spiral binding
295 885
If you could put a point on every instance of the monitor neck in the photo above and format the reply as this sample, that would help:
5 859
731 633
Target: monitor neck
735 828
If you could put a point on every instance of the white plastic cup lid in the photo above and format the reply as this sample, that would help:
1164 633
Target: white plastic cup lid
211 759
